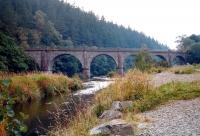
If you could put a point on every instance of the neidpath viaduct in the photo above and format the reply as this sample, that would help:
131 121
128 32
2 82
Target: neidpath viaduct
46 57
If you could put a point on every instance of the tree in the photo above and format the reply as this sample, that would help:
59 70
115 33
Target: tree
143 61
193 54
191 46
67 64
12 58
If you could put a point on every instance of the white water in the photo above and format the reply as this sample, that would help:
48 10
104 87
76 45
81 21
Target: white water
93 86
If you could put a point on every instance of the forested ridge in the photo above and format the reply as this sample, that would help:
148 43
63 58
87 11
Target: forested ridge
53 23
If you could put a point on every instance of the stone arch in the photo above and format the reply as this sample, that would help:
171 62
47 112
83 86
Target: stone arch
159 57
178 60
92 59
52 61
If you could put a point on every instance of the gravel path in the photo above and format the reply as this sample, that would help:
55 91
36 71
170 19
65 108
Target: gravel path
166 77
179 118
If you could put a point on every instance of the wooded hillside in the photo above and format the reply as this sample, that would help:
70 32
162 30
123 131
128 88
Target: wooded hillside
50 23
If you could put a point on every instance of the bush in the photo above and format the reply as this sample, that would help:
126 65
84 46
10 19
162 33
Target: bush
143 61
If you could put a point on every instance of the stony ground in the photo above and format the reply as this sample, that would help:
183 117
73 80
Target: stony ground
178 118
166 77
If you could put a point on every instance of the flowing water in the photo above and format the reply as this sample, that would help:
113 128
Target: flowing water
40 113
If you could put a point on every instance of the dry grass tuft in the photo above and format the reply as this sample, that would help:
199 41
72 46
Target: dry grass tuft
34 86
130 87
2 130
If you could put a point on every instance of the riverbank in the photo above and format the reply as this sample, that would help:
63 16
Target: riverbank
27 92
30 87
136 87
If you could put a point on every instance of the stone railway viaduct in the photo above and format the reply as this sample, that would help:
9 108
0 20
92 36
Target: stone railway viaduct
46 57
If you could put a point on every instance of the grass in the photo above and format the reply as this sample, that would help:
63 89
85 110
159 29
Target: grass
36 86
186 69
167 92
135 86
157 69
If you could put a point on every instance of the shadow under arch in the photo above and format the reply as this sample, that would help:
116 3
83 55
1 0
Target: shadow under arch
102 64
159 58
66 64
129 62
178 60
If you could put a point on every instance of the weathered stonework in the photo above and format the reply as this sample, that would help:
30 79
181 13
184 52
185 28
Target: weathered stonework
46 57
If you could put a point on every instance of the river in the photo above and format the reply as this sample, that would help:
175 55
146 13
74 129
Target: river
42 113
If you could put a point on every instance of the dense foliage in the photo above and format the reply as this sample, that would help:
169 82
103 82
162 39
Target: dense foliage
67 65
191 46
12 58
102 65
36 23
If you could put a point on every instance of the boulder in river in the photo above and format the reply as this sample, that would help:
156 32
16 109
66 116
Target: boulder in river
111 114
112 128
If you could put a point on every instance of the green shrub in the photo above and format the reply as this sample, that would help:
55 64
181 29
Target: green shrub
13 124
143 61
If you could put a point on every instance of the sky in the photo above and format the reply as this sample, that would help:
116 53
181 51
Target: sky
163 20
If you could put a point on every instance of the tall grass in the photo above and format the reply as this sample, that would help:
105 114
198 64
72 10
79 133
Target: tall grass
35 86
130 87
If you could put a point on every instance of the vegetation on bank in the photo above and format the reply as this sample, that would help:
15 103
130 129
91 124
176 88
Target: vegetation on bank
185 69
135 86
35 86
13 58
9 123
190 45
27 87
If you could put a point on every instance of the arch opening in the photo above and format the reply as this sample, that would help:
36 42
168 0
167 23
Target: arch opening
129 62
102 64
178 60
160 60
66 64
